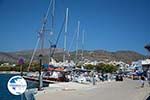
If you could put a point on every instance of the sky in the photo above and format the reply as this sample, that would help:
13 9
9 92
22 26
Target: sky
108 24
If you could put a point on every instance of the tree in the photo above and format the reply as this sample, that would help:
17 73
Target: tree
104 68
89 67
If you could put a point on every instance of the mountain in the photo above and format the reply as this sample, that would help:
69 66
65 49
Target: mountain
7 57
103 55
125 56
13 57
99 55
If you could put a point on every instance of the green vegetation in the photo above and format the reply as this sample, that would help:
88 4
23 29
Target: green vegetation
34 67
105 68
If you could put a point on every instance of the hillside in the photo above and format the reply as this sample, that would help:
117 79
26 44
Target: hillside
99 55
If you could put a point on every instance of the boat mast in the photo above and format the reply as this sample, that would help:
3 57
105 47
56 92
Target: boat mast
42 31
41 36
53 15
78 31
83 32
65 35
52 29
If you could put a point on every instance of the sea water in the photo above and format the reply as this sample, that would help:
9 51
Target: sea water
4 92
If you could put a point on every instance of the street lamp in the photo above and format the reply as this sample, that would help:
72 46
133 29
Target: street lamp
40 76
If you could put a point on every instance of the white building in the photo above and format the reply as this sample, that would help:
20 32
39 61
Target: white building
145 64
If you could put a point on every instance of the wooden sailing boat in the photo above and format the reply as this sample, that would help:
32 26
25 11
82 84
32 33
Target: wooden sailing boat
40 40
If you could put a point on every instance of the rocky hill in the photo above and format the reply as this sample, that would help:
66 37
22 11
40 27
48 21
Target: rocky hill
99 55
125 56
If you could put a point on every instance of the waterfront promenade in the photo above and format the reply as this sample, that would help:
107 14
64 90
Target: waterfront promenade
126 90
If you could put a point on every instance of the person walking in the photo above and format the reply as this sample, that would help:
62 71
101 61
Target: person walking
142 81
148 76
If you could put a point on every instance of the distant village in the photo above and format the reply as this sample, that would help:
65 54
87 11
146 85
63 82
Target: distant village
138 65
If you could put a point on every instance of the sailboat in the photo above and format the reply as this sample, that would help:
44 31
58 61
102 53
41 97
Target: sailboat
53 74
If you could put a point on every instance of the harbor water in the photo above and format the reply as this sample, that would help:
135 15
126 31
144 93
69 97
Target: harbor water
4 92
